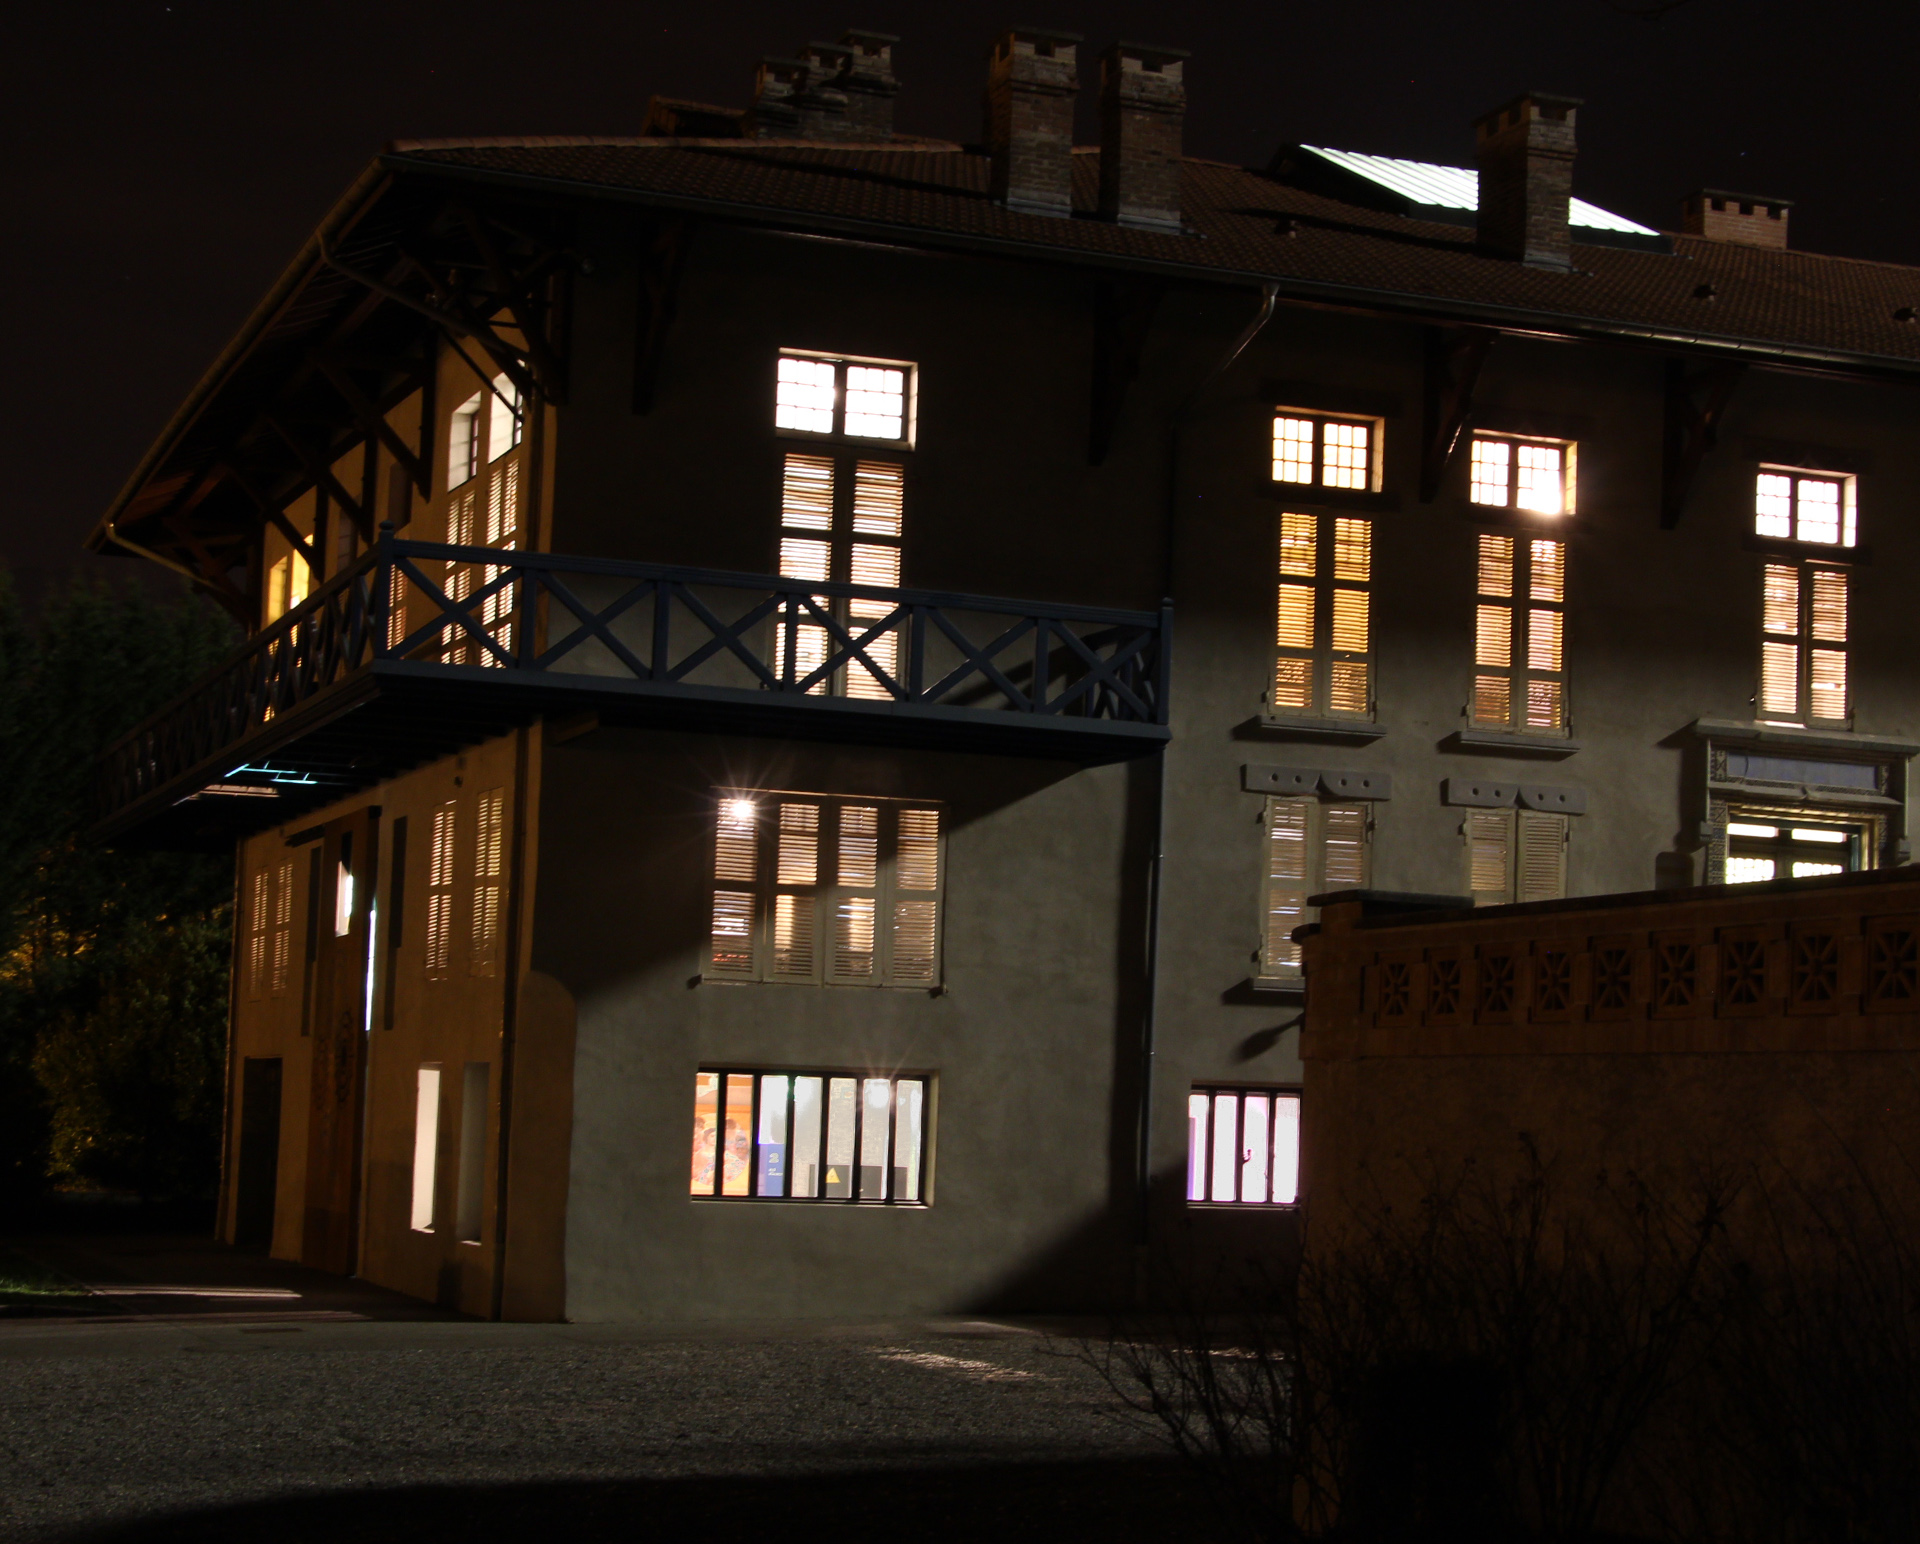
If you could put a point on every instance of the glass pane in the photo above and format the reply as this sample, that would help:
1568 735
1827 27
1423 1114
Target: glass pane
1744 828
1226 1149
736 1135
805 1179
770 1151
842 1104
1253 1148
909 1112
1488 475
706 1103
426 1145
1806 834
1773 505
876 402
1293 450
1297 546
1196 1147
1345 459
1818 514
1294 627
1746 871
1286 1149
804 396
1541 485
873 1139
1803 870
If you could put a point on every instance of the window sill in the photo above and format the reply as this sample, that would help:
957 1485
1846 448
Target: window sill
1816 551
1267 989
1506 742
1243 1206
1314 496
1343 731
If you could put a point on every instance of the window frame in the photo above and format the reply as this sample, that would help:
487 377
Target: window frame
1288 974
1520 605
1857 847
1804 643
910 403
1848 512
1212 1092
1569 473
1321 657
860 1078
1321 421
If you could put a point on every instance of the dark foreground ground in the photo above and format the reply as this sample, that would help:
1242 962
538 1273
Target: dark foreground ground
198 1394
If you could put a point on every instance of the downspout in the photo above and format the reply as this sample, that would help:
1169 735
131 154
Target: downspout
1269 295
115 537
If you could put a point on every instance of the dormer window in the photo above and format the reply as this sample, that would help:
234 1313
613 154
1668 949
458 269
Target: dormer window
1535 476
854 399
1804 506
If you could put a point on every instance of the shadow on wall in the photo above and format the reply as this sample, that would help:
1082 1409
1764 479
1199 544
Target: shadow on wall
1010 1502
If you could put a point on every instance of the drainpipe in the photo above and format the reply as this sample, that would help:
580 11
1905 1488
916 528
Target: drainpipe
147 552
1269 294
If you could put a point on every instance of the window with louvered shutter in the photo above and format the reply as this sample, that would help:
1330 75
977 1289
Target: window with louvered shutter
440 875
1516 855
280 956
815 889
1803 644
1310 847
483 510
1490 856
1519 627
259 916
489 881
1323 634
841 520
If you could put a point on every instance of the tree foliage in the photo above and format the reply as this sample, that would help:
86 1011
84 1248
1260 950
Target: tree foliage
113 964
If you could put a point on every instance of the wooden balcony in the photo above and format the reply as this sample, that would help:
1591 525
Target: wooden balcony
422 648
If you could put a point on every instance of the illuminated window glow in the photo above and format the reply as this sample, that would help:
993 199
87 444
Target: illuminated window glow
1329 452
1803 644
1519 652
1527 475
1323 644
1761 850
843 397
1797 507
1243 1147
822 1136
426 1145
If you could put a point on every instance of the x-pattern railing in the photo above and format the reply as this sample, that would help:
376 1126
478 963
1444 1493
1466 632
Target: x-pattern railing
531 616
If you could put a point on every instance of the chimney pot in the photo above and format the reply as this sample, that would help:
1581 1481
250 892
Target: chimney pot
1745 218
1143 109
1032 79
1525 152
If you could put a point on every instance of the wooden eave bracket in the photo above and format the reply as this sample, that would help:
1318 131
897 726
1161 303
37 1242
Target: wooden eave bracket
1123 311
661 264
372 421
1696 402
517 293
1454 356
322 475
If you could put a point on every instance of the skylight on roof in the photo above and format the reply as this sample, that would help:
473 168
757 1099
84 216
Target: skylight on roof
1456 187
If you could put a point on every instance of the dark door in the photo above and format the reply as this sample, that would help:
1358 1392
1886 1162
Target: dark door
345 893
257 1174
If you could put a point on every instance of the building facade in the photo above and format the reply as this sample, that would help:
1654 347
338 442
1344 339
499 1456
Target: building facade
722 827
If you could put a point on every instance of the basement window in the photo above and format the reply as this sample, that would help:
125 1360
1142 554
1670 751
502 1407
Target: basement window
1803 645
1243 1146
1809 507
1516 855
1519 628
1323 643
855 399
1534 476
1311 846
1326 452
810 1136
811 889
1763 845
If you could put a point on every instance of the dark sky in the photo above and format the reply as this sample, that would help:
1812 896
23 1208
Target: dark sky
164 161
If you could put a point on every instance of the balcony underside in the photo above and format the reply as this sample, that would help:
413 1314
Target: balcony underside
395 714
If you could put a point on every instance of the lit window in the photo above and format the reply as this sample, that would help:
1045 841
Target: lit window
1792 847
840 521
810 889
484 511
1323 644
1519 640
465 440
819 1136
1528 475
1328 452
1796 507
506 417
343 890
1803 644
489 873
270 930
439 951
1243 1146
426 1144
860 401
287 582
1516 855
1310 847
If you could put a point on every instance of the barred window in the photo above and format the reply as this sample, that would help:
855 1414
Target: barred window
1310 847
1516 855
1803 644
489 891
1243 1146
1327 452
810 1136
1797 506
1323 622
856 399
439 950
1529 475
816 889
1519 635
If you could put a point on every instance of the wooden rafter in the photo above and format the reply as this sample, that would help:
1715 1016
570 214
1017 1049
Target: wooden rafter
517 294
1696 402
1454 356
371 420
322 474
275 515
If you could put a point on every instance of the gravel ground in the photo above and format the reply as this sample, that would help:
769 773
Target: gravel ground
317 1429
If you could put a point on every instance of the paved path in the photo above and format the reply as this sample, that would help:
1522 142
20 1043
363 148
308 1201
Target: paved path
349 1415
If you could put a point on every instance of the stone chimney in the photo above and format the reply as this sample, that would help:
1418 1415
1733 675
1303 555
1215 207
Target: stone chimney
776 112
1526 179
1143 108
870 84
1031 83
1740 217
823 99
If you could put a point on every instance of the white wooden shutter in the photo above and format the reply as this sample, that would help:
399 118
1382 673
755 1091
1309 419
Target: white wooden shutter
796 898
1490 856
1540 861
853 958
489 858
916 899
736 871
440 890
1343 847
1285 904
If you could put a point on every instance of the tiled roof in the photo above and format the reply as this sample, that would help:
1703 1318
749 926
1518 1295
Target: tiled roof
1245 223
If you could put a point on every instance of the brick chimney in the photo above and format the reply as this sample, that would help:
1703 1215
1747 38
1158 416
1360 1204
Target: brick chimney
1740 217
1031 84
776 113
1143 108
1526 179
823 99
870 84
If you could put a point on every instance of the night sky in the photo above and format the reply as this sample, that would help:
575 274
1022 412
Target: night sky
165 161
